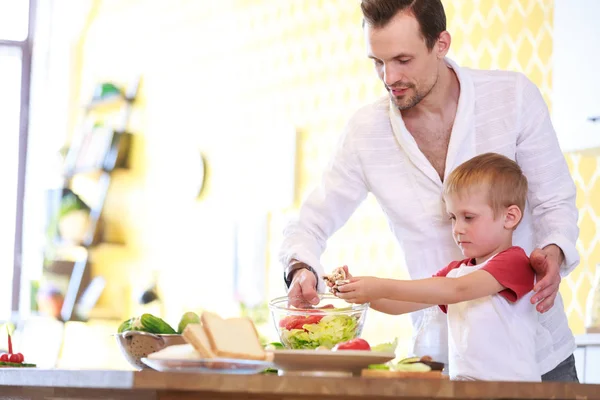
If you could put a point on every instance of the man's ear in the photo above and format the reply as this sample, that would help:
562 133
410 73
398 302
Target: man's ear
512 217
442 46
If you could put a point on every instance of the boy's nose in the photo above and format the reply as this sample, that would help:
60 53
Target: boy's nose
458 229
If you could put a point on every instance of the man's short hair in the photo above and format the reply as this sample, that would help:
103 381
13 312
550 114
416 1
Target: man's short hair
499 175
429 13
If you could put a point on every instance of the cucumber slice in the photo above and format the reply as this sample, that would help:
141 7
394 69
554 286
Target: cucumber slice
412 367
409 360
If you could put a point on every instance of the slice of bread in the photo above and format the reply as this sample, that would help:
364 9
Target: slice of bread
233 337
176 352
195 335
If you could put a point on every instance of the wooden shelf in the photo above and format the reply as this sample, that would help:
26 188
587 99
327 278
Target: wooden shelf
96 152
108 102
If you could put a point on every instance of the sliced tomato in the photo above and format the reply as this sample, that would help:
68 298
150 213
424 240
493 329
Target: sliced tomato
292 322
284 321
353 344
4 357
313 319
298 321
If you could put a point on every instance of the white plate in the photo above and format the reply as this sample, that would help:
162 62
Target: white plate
315 362
209 365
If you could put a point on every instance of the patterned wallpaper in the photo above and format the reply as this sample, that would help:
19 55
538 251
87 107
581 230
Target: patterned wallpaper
585 169
302 61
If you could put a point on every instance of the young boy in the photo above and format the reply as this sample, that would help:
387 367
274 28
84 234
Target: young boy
491 321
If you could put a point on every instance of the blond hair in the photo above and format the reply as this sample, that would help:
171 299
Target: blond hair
502 177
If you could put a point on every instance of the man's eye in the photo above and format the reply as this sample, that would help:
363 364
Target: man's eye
468 217
378 62
404 61
452 218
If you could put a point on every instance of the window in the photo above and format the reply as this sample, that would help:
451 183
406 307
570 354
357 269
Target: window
14 20
15 65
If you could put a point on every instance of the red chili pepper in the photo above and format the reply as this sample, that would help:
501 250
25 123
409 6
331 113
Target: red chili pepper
9 344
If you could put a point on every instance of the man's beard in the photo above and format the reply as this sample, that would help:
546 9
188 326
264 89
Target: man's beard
406 103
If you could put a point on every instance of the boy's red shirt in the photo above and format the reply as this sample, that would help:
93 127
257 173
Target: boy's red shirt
511 268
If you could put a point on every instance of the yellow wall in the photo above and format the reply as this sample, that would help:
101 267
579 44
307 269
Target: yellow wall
209 66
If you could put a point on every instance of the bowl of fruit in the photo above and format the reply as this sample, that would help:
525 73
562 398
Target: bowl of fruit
331 322
140 336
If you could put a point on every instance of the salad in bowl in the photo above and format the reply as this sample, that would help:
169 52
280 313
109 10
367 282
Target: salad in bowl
330 322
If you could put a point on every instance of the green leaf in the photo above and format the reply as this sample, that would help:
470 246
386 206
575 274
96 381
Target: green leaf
386 347
384 367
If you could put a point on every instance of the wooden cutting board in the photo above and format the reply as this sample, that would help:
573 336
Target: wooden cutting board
379 373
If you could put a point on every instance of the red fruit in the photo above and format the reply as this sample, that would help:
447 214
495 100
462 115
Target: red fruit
284 321
290 322
298 321
21 357
14 358
313 319
353 344
4 357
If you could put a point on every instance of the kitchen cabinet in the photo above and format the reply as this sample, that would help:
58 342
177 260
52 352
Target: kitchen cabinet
587 358
575 67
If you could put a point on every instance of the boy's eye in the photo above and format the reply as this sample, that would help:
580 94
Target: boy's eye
451 217
468 217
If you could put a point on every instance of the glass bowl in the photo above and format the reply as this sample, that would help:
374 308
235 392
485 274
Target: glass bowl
330 322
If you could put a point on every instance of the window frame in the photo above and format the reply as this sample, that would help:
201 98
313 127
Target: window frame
26 48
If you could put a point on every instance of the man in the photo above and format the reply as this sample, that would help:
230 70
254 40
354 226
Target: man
401 148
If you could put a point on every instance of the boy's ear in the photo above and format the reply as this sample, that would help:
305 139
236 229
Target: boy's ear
512 217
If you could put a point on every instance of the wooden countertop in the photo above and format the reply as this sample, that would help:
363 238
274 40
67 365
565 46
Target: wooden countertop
63 384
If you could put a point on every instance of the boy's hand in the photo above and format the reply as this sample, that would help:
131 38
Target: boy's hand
348 274
333 285
360 290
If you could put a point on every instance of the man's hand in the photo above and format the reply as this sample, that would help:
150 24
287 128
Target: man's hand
546 263
302 292
360 290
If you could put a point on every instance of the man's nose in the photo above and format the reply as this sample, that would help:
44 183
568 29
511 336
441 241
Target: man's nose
392 74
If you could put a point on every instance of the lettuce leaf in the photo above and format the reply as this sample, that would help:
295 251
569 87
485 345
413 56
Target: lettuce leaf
386 347
329 331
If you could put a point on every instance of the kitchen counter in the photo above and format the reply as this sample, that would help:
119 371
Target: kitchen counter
82 384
